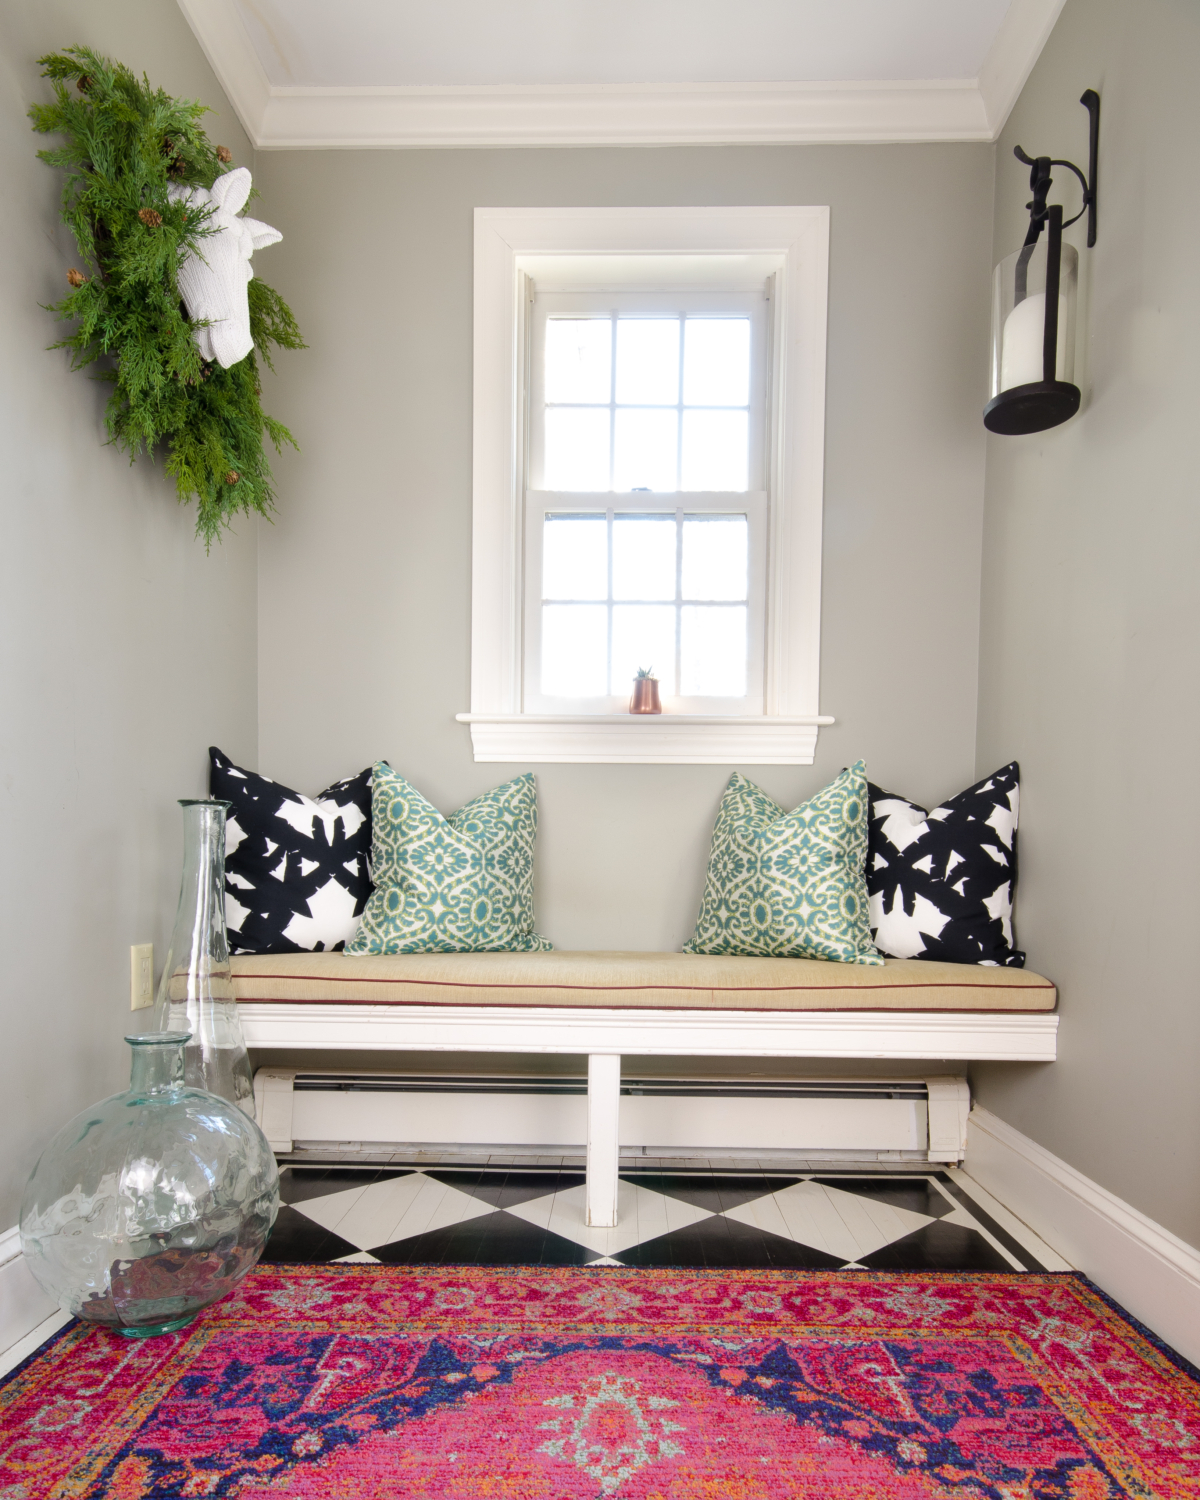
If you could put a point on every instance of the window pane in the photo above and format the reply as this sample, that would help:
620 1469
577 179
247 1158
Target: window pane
645 457
716 362
574 650
715 556
643 636
575 558
644 558
716 450
576 448
713 650
578 359
648 361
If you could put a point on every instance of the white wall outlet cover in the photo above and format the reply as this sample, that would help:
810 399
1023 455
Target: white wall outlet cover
141 976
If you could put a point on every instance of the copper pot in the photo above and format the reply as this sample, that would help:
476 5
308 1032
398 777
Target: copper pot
645 696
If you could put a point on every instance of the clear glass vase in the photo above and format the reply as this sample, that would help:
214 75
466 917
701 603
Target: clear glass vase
195 993
151 1204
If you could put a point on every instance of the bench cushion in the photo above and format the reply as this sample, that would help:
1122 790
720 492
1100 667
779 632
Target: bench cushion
634 981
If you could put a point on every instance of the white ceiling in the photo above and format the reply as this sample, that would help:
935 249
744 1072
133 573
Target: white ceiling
390 43
386 73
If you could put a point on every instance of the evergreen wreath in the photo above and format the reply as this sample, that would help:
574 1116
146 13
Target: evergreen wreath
126 145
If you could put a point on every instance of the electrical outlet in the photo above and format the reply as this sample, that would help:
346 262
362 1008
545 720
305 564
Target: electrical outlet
141 976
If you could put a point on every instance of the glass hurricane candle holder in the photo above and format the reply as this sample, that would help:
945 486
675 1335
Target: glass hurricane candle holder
151 1204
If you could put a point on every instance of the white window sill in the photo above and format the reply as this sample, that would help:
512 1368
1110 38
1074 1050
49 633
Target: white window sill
645 739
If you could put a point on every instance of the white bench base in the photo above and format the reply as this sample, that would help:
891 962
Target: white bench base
901 1036
604 1035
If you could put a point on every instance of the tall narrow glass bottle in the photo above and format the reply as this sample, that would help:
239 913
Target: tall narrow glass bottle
196 990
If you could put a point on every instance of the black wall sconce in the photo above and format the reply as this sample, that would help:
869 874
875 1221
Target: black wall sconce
1033 304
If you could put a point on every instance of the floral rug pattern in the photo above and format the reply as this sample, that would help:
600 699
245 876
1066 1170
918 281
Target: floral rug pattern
477 1383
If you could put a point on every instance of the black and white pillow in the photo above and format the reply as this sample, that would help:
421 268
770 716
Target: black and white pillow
941 883
297 875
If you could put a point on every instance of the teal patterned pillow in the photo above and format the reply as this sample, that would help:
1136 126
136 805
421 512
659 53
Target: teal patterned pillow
789 885
462 884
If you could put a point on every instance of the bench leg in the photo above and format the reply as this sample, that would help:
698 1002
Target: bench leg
604 1106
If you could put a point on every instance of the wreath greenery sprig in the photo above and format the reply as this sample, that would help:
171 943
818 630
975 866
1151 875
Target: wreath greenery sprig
126 144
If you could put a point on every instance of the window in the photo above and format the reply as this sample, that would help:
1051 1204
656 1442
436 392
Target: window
648 430
646 544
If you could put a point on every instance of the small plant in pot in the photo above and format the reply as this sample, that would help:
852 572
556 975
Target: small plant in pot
645 698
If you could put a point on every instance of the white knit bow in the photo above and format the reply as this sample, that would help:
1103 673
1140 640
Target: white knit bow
212 282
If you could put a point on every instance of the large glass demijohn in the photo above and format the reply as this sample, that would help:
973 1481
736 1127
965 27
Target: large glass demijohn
151 1204
195 994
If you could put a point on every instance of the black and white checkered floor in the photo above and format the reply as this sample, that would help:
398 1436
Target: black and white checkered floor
669 1214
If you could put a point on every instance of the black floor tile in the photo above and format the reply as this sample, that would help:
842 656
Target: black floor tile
917 1194
296 1240
498 1239
724 1244
938 1247
503 1188
982 1217
296 1184
717 1191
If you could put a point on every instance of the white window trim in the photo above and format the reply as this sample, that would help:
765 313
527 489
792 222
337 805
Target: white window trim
786 734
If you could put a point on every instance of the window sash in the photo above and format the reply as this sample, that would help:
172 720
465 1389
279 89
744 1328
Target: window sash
659 302
752 504
546 301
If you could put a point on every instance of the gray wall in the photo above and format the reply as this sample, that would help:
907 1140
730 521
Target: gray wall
1090 624
125 650
364 579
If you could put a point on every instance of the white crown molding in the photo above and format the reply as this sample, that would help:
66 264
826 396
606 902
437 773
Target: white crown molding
290 118
224 41
1018 44
623 115
1144 1267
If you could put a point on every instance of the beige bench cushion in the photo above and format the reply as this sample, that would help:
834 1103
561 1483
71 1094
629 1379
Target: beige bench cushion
634 981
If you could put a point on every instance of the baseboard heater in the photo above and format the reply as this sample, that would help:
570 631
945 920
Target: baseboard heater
911 1119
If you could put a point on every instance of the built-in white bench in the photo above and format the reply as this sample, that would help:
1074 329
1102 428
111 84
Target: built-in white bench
606 1005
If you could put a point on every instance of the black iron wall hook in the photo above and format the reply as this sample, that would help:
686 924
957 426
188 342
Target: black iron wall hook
1040 179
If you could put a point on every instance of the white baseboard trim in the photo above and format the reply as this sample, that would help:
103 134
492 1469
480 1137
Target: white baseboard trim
1148 1270
24 1307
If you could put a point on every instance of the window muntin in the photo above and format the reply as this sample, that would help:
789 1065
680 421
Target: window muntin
655 590
642 399
645 540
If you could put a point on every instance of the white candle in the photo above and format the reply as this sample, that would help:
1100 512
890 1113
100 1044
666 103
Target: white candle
1024 334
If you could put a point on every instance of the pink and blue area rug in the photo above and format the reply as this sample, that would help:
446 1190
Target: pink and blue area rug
373 1383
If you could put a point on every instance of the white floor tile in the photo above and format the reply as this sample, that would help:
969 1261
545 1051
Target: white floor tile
642 1214
331 1207
359 1258
875 1223
393 1210
828 1219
